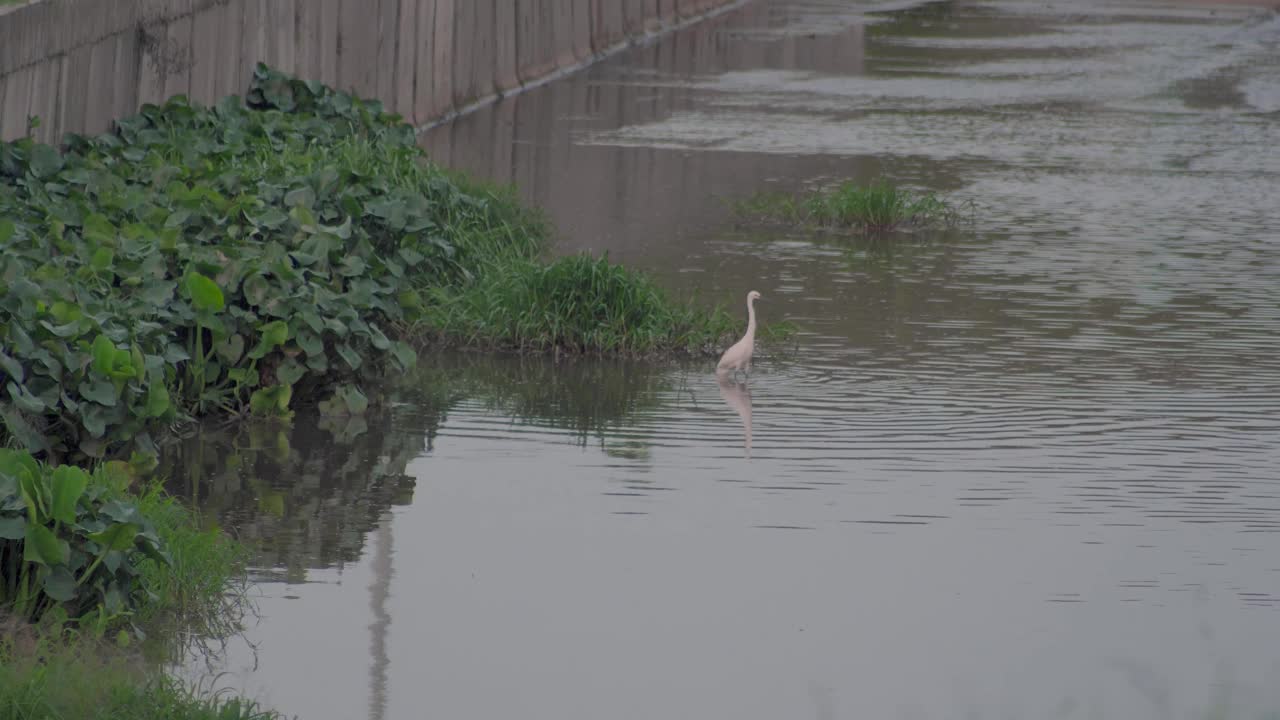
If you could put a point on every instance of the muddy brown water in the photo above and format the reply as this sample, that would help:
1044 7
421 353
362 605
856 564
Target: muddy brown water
1029 468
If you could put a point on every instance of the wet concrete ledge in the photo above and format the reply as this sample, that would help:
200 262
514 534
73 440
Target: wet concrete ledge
80 64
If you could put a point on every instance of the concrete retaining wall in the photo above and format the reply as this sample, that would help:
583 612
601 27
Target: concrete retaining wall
79 64
602 197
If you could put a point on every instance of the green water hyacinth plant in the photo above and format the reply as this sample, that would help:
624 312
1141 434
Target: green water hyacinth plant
223 260
70 541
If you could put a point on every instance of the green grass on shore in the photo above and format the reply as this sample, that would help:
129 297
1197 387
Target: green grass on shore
42 679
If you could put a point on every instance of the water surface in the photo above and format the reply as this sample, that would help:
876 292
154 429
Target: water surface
1021 469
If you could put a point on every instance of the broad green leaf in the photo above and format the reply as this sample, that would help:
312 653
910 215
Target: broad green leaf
45 161
177 218
138 362
256 289
356 401
113 601
12 367
377 339
64 331
310 343
94 419
157 400
175 353
116 537
313 320
41 546
273 334
290 372
351 356
95 448
404 355
304 219
409 299
283 398
351 266
104 354
122 365
7 230
60 585
270 218
22 431
98 229
142 463
302 196
157 293
102 392
120 511
24 400
343 231
115 474
205 293
65 312
263 401
8 481
271 401
102 259
18 463
231 348
212 370
68 484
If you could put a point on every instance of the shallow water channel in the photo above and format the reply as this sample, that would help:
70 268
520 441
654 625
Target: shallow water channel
1027 468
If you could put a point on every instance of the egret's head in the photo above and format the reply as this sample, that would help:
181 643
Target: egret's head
753 296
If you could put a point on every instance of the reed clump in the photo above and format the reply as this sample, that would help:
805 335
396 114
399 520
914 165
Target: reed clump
575 304
874 208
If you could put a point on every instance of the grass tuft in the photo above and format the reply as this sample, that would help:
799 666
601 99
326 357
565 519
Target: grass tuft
576 304
203 592
875 208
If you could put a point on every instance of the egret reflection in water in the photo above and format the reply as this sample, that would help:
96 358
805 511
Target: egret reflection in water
738 396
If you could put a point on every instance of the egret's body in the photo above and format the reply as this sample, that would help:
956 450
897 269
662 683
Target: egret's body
738 357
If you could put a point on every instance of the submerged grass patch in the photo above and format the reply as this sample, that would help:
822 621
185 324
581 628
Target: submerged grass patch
44 680
202 589
874 208
577 304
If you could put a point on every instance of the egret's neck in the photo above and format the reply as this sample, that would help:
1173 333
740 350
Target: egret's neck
751 319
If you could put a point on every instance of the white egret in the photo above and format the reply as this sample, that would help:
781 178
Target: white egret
738 357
